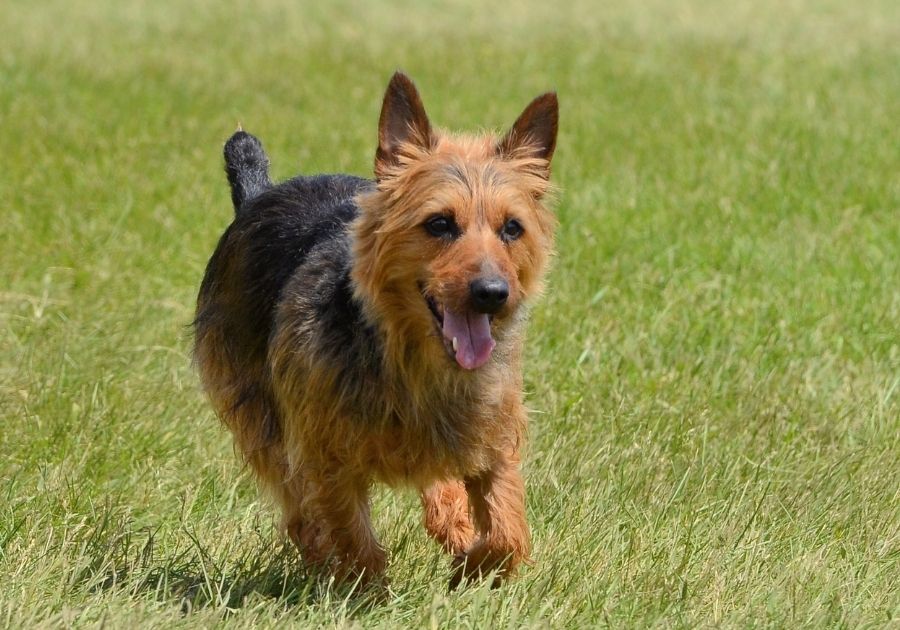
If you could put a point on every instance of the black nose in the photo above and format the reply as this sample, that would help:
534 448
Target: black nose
488 294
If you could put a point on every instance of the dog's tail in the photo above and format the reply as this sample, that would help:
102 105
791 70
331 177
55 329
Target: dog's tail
247 167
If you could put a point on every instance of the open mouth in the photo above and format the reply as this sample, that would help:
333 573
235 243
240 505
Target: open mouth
466 335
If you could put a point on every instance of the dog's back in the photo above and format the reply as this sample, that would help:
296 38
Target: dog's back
277 230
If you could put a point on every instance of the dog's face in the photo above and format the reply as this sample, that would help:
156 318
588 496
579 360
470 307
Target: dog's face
455 237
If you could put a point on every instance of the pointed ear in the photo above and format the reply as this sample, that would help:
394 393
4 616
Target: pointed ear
403 120
534 132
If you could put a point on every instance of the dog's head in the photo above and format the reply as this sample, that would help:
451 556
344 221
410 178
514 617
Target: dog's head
455 238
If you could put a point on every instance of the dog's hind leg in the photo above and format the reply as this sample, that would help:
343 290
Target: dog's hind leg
446 508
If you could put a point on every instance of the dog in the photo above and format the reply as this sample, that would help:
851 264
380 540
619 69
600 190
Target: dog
351 331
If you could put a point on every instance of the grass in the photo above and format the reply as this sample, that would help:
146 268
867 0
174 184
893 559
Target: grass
714 370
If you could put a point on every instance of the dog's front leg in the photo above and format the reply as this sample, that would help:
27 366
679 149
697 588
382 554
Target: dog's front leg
446 507
497 499
342 504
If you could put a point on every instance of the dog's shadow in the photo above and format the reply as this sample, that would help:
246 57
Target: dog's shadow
197 578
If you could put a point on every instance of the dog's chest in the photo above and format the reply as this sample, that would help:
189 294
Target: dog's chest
441 440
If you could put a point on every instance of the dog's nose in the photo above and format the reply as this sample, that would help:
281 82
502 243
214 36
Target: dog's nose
489 294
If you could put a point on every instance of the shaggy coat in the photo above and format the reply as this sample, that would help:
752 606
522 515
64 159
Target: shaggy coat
350 331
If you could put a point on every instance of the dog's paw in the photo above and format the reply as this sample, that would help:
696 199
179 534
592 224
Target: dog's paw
476 563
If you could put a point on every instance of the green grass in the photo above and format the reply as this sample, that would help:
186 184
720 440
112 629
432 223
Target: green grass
715 369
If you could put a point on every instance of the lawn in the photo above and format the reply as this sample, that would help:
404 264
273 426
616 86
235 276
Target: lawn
714 371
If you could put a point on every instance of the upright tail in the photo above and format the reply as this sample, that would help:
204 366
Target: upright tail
247 166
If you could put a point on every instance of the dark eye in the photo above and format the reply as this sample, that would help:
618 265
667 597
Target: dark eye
511 230
442 226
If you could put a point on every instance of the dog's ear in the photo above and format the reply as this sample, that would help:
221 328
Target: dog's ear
533 135
403 120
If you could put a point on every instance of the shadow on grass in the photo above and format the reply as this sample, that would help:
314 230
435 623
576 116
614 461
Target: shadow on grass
226 579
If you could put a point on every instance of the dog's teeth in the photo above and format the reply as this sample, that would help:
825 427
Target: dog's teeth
455 344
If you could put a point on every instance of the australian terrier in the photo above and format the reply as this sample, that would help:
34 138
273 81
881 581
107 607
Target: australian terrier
350 331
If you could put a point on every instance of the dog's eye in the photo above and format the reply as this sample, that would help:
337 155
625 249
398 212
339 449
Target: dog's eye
442 226
511 230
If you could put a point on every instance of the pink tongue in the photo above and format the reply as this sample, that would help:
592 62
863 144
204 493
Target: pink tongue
473 337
